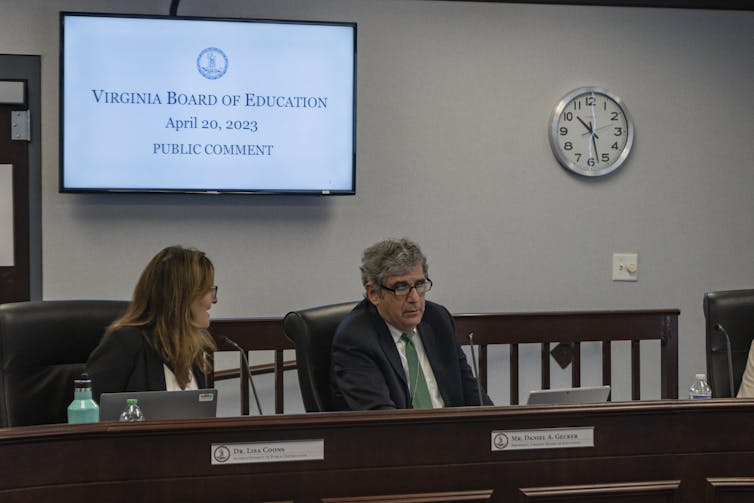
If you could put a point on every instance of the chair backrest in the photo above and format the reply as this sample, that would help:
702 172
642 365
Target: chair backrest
44 346
312 330
734 311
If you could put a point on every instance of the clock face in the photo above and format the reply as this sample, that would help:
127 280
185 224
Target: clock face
591 131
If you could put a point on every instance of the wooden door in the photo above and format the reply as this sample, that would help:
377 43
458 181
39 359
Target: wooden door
14 177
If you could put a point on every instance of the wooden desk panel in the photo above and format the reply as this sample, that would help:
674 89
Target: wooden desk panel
644 451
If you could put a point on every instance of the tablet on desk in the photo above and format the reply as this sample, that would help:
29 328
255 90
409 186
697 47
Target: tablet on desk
587 394
189 404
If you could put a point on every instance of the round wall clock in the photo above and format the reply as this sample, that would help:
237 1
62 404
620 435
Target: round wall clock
591 131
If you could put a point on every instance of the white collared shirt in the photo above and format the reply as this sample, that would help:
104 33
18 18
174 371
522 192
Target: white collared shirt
429 376
171 383
746 390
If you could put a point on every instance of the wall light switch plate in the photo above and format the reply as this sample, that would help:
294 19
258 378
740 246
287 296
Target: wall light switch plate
625 267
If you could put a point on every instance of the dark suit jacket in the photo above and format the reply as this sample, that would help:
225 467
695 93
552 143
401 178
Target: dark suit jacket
125 361
366 367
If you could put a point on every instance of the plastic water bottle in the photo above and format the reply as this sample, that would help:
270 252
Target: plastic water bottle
83 409
132 412
700 390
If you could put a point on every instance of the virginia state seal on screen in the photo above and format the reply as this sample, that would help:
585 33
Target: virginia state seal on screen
212 63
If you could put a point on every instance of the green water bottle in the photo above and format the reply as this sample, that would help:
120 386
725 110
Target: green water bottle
83 409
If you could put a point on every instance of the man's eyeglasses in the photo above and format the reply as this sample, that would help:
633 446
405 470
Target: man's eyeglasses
401 290
214 293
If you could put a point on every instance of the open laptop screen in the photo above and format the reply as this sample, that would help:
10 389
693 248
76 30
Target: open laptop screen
189 404
587 394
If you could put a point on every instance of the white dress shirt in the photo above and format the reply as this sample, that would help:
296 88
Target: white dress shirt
747 382
171 383
429 376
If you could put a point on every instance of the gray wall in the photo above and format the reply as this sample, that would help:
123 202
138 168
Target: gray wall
453 105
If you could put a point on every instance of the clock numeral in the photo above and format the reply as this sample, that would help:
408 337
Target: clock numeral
563 131
577 105
591 162
618 131
605 157
614 146
614 116
568 116
591 101
568 145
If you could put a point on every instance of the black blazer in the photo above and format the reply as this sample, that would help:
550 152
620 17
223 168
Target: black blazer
366 369
125 361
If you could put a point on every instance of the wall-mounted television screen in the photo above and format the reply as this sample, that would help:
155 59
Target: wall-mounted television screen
185 104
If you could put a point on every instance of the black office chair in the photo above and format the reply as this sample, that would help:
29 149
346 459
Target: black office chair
312 330
44 346
729 331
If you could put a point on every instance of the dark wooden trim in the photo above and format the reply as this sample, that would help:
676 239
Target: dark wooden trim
660 490
267 368
607 362
428 497
669 356
14 280
576 365
544 364
635 370
566 326
254 334
665 4
729 489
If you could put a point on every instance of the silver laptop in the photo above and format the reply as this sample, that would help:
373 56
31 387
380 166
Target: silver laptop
586 394
188 404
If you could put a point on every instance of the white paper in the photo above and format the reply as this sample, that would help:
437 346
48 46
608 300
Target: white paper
6 215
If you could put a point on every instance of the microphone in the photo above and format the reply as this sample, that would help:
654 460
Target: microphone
722 330
233 343
470 337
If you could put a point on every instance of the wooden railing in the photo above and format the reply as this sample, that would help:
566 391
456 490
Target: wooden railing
254 334
558 333
567 330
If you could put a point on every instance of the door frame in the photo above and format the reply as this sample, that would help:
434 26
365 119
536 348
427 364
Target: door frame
28 68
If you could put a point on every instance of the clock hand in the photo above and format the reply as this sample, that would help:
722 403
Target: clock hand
603 127
588 127
594 133
595 137
591 129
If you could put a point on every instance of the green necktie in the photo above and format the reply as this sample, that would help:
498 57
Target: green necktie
417 384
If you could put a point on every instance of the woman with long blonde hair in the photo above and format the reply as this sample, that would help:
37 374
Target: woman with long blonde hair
161 342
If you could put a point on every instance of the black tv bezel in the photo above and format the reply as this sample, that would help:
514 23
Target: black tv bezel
215 191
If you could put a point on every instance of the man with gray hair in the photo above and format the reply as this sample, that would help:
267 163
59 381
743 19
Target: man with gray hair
396 350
